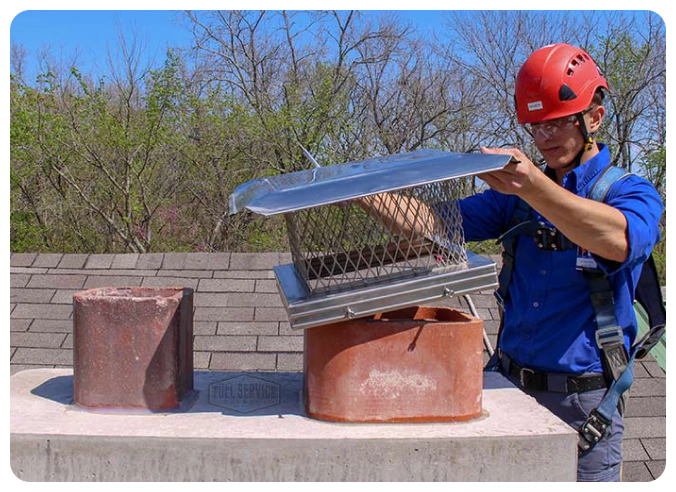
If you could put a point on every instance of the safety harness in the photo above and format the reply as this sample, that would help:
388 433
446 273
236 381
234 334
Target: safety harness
617 363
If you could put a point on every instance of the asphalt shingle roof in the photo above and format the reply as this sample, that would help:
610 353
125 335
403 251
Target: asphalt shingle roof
240 325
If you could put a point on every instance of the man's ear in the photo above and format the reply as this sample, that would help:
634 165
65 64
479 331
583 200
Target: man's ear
596 118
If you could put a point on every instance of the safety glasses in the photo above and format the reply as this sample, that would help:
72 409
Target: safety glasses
550 128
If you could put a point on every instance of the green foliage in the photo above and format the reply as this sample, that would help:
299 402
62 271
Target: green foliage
25 234
263 235
655 169
485 248
145 161
660 256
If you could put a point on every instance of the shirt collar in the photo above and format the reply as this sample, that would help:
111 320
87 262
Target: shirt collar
577 179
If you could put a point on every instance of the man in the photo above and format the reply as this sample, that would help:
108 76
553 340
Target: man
547 342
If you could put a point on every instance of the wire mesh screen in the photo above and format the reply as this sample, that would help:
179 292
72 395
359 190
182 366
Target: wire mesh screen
378 238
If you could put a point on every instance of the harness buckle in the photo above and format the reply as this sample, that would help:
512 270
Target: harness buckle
547 238
592 430
523 373
609 336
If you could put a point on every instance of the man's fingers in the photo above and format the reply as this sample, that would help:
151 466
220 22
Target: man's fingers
515 159
490 179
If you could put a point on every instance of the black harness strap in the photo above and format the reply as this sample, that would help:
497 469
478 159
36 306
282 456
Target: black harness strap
508 240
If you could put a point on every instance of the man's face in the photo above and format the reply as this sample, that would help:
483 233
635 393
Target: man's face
560 140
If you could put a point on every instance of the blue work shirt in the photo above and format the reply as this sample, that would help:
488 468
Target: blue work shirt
549 322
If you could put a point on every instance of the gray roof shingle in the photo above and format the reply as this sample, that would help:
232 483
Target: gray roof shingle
240 325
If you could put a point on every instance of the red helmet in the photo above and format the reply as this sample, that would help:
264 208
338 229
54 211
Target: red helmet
556 80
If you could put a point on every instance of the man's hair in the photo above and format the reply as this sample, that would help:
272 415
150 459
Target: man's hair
598 98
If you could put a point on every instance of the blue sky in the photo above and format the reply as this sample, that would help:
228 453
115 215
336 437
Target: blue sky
92 34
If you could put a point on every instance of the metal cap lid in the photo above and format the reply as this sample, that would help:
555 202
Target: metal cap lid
339 182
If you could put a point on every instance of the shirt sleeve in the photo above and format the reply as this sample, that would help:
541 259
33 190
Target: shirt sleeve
642 206
485 215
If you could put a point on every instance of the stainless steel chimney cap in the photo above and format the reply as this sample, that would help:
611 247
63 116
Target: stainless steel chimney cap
348 261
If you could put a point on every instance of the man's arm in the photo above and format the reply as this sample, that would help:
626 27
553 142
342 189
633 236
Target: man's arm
404 216
594 226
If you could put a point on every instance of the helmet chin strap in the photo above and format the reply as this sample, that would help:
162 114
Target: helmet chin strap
588 141
588 136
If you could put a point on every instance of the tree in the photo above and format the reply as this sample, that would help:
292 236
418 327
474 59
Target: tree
145 159
632 56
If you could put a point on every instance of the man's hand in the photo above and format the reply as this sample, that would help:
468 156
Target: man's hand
518 177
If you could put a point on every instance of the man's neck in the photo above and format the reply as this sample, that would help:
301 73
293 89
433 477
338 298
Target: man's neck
584 157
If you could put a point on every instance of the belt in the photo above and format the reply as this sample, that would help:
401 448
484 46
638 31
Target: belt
546 381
